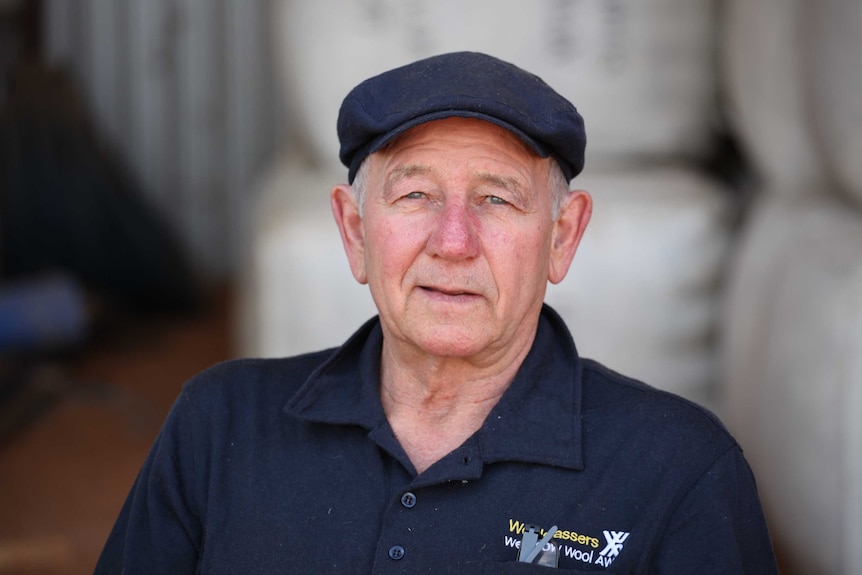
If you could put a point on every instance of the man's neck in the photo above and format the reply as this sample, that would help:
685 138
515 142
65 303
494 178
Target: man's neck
437 404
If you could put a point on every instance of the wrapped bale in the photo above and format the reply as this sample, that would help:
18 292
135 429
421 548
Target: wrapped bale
833 82
642 292
762 72
297 293
641 71
792 357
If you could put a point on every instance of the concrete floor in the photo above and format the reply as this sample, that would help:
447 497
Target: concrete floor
64 476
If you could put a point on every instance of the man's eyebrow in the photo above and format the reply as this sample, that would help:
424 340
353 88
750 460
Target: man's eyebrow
508 183
403 172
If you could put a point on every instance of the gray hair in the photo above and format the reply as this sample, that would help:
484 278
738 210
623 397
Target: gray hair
556 182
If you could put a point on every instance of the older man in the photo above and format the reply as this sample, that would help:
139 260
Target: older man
459 431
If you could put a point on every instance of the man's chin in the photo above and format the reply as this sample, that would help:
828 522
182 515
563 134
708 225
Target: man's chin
451 341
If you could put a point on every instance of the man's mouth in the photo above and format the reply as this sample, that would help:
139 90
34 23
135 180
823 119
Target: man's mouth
450 292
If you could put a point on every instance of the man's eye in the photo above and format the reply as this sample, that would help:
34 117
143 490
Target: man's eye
415 196
496 200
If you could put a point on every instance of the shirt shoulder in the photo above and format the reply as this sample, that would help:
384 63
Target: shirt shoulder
630 416
269 382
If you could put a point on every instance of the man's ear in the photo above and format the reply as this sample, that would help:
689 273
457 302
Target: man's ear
346 212
567 233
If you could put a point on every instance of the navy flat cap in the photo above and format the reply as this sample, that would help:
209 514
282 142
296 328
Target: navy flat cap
464 84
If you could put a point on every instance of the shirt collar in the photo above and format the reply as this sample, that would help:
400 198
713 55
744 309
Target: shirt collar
345 389
538 419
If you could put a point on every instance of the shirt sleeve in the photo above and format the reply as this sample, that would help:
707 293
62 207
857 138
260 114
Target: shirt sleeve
719 526
159 527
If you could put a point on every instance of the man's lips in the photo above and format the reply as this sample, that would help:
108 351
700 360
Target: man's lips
446 291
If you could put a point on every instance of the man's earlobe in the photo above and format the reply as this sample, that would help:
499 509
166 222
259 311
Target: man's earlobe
346 212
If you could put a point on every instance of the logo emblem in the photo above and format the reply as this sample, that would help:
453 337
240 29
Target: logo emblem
615 541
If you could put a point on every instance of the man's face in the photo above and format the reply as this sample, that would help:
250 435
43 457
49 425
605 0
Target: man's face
456 239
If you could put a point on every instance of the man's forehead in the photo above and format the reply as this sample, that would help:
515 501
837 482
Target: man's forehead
437 154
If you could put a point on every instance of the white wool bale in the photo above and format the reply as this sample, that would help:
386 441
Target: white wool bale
834 84
642 291
762 70
792 358
640 71
297 293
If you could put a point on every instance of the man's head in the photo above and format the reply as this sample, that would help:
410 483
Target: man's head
458 234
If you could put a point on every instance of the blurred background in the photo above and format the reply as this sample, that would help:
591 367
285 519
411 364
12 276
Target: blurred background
164 176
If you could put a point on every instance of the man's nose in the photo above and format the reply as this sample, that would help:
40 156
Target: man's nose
454 236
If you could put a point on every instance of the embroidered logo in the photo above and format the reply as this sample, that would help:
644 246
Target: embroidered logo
615 540
569 545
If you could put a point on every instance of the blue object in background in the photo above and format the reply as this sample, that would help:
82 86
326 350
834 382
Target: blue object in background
41 314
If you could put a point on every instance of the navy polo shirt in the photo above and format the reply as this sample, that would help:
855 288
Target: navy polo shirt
289 466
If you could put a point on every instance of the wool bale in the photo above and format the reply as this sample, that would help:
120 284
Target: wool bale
642 291
297 293
792 361
833 82
762 70
641 71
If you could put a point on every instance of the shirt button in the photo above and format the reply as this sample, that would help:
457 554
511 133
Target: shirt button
408 500
396 552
